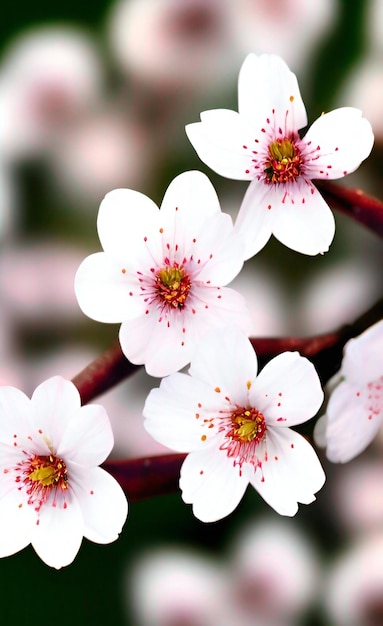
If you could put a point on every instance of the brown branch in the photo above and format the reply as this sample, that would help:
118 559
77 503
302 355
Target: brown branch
106 371
148 476
365 209
153 476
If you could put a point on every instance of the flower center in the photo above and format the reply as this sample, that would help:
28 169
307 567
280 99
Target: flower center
173 286
284 162
48 471
247 425
39 476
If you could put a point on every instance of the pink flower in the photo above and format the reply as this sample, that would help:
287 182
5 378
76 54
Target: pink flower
355 408
235 425
261 144
162 272
51 491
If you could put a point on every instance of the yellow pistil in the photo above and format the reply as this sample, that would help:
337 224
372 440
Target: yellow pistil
284 164
248 424
173 286
49 471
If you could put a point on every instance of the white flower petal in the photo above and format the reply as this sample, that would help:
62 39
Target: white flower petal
157 341
16 415
211 484
345 139
125 217
53 401
351 425
175 412
103 503
291 474
220 307
105 291
358 369
266 84
188 201
303 220
227 362
58 535
255 218
15 523
87 438
287 390
220 251
221 140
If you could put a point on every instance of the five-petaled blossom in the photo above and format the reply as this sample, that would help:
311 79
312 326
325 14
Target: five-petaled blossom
261 144
235 425
354 411
162 272
52 492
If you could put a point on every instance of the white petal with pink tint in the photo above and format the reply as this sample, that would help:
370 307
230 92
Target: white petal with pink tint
49 469
279 92
262 144
287 389
208 483
228 422
223 151
292 473
164 278
105 290
96 491
354 412
345 139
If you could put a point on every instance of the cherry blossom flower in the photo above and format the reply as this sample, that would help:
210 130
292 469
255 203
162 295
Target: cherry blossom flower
199 581
51 491
261 144
162 272
355 408
274 573
236 426
172 44
352 593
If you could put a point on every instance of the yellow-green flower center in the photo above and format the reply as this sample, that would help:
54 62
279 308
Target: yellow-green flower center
284 162
48 471
248 425
173 286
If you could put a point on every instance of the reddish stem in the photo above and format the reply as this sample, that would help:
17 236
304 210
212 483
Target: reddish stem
365 209
153 476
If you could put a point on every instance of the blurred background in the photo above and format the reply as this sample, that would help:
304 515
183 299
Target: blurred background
95 96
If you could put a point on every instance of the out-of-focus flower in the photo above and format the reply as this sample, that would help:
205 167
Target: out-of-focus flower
363 89
26 296
274 574
354 585
162 272
356 496
374 26
8 200
52 492
291 28
355 407
172 44
174 587
261 144
235 425
49 76
99 153
337 295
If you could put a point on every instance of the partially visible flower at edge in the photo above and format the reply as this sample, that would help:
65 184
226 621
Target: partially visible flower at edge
162 272
261 144
354 411
235 426
52 492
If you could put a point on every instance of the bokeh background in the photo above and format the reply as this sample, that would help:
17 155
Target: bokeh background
95 96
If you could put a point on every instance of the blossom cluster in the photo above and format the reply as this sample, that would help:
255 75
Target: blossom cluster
164 275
